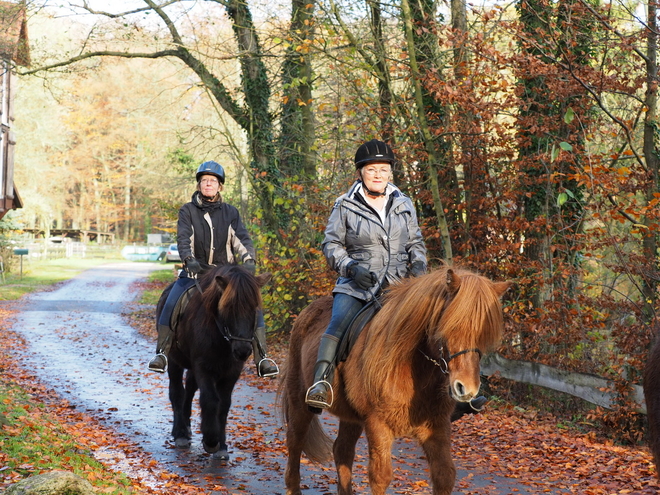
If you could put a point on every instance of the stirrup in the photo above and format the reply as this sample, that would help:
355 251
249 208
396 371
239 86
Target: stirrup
272 373
480 403
158 370
317 402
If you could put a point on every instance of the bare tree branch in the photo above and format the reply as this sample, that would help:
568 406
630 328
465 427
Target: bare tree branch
85 6
102 53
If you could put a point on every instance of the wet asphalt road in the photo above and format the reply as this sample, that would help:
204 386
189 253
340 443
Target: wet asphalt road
81 347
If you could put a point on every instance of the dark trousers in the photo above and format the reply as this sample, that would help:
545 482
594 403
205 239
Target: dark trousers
344 309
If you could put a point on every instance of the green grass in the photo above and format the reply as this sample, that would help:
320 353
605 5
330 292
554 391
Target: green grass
37 275
151 296
32 441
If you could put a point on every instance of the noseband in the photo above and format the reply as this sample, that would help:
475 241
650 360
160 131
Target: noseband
224 331
445 357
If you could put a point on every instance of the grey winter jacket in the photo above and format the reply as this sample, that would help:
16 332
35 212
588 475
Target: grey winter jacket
355 232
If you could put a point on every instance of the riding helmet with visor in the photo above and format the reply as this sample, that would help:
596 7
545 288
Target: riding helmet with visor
211 168
374 151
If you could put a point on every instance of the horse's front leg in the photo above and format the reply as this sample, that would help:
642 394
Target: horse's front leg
437 447
344 453
225 389
380 440
209 402
181 421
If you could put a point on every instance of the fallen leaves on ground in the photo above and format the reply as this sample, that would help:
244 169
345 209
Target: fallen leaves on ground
503 442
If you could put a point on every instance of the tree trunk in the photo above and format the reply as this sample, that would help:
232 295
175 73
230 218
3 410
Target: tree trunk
441 219
127 203
296 141
651 135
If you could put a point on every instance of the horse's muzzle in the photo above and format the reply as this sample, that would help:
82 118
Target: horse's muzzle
241 350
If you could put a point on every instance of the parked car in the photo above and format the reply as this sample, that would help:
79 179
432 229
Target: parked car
172 253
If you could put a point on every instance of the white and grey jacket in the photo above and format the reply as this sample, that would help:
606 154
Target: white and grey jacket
213 233
355 231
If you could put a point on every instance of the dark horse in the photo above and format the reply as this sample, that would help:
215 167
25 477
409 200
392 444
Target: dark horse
213 340
423 345
651 385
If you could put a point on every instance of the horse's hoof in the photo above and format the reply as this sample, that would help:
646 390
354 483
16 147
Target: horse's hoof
182 443
221 455
211 449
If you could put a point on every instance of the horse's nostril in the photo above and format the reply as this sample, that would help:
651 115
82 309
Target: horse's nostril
460 389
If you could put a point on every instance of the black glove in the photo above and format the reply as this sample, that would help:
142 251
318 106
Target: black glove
192 266
363 277
417 268
250 266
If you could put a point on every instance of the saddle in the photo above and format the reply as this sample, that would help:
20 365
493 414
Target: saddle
355 328
180 307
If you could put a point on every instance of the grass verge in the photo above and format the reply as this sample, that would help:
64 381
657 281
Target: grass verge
33 441
39 275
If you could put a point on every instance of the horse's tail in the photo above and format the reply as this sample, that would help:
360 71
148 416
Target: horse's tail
317 445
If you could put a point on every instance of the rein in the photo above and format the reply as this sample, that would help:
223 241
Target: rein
443 364
224 331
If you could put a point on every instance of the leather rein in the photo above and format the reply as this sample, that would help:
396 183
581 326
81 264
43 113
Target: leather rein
224 331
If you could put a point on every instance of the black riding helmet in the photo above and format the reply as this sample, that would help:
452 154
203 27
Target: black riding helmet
374 151
211 168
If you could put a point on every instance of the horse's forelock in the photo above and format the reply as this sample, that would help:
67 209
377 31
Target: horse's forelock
241 296
231 290
473 318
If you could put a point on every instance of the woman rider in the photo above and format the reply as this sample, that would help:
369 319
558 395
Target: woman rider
372 239
209 233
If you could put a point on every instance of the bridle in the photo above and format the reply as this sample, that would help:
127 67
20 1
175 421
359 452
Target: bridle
224 331
445 357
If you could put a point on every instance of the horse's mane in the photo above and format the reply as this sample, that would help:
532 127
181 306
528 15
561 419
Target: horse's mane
425 307
230 289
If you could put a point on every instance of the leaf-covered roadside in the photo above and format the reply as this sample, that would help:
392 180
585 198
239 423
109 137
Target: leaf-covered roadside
40 432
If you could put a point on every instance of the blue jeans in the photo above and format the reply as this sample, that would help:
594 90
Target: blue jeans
181 285
344 309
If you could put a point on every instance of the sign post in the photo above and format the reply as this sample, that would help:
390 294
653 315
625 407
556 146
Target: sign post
21 253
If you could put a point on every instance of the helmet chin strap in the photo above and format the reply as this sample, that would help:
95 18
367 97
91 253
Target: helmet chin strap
372 193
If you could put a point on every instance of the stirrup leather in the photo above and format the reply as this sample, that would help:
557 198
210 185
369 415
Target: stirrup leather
272 373
314 402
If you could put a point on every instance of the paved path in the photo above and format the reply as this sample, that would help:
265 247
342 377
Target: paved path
81 347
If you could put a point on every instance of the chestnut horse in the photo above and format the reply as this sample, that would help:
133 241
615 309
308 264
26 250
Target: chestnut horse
651 385
213 339
417 356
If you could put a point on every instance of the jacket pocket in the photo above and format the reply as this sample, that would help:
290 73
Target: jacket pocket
360 256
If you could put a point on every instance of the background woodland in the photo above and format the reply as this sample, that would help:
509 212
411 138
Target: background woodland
527 136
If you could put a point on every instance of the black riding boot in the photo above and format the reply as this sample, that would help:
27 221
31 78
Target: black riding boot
266 367
324 371
159 361
475 406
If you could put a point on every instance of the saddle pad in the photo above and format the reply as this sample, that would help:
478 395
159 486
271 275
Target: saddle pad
360 320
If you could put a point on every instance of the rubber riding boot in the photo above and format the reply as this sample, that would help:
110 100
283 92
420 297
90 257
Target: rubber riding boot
320 395
266 367
475 406
159 362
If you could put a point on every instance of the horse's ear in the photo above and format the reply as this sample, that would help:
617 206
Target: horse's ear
264 278
501 287
221 282
453 282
